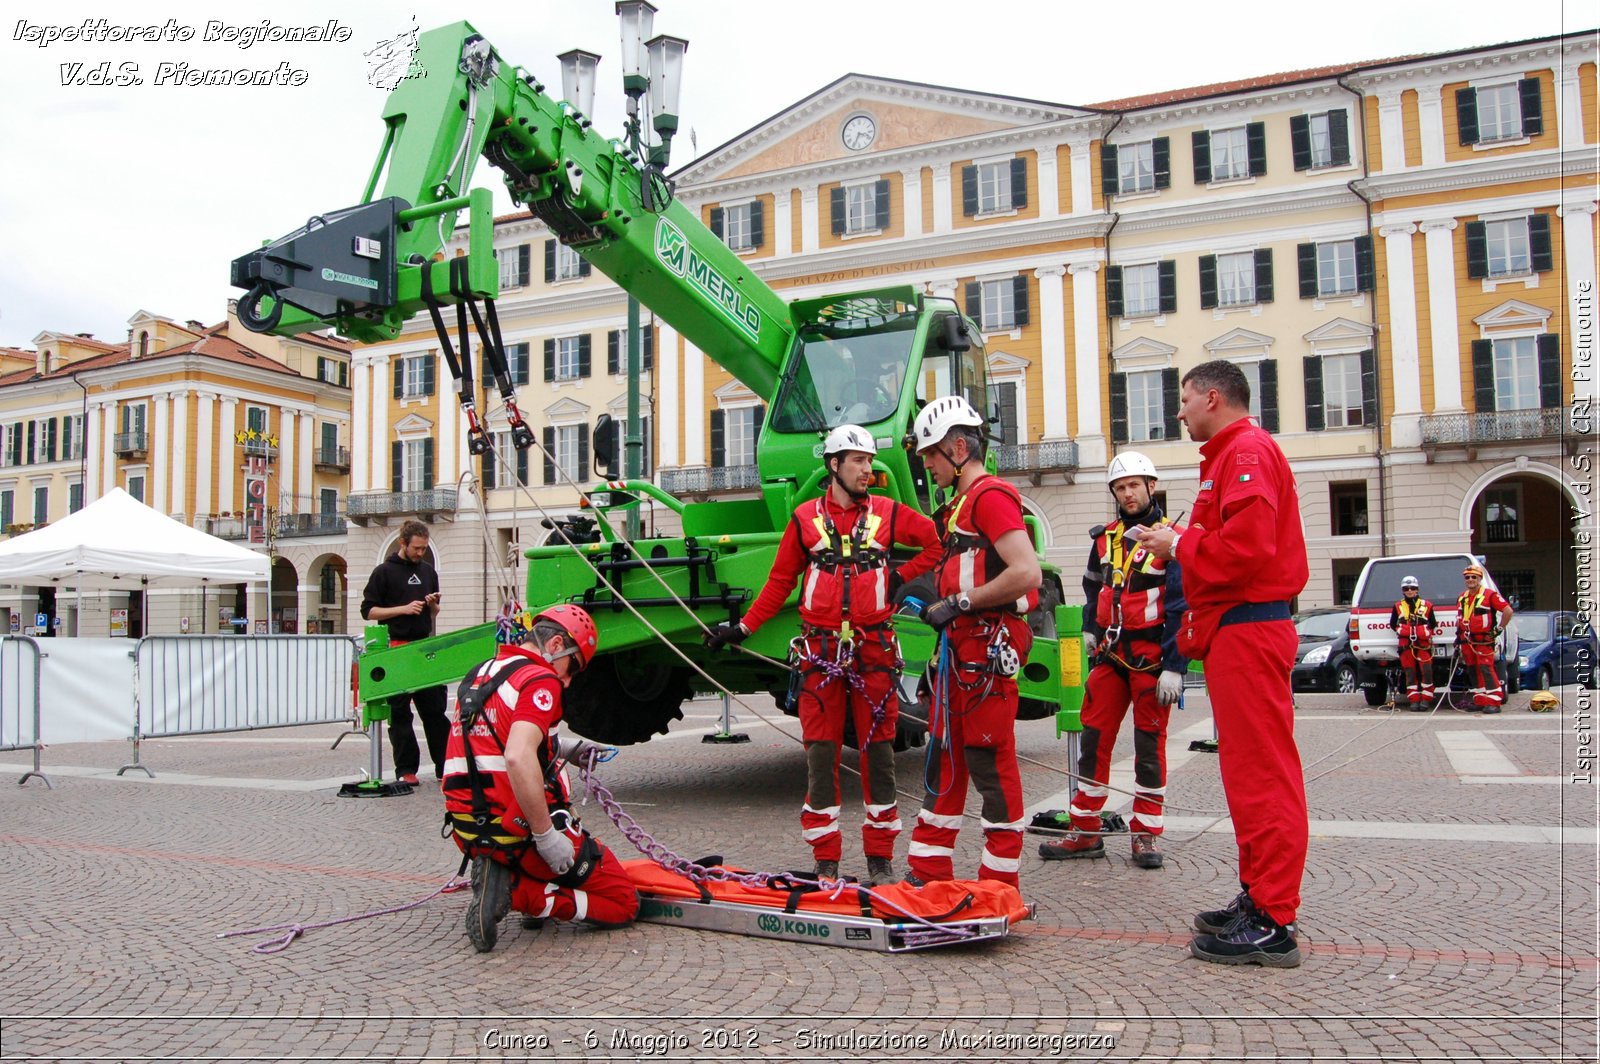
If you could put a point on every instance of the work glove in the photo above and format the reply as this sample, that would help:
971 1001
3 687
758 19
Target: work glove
1169 687
940 612
726 633
555 850
1090 642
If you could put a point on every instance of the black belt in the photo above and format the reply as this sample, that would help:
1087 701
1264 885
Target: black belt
1252 612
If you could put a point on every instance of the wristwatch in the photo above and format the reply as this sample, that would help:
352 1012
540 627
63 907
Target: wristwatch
1175 540
963 603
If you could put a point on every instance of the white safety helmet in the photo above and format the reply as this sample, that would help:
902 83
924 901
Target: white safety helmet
848 438
1409 582
1130 464
935 420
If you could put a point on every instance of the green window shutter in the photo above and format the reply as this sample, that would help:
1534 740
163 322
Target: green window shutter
1264 275
614 352
1255 136
719 445
549 455
1366 265
1369 388
1483 376
427 464
429 371
520 360
1477 234
1549 347
1119 408
1167 285
524 263
975 301
1539 253
1300 141
758 223
50 439
1339 137
1019 183
880 194
647 458
549 261
584 269
1202 156
716 224
583 355
1161 158
397 366
1208 282
1019 300
1108 169
549 361
522 468
1269 395
397 466
486 470
969 190
1169 404
647 334
1114 291
583 453
836 209
1532 107
1306 257
1316 415
1467 115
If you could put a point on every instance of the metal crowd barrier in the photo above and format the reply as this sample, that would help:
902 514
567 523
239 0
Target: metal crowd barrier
19 700
203 684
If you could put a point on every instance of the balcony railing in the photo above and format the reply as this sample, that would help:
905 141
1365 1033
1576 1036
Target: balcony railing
130 443
366 505
226 527
1037 459
336 459
260 447
290 526
1502 426
709 481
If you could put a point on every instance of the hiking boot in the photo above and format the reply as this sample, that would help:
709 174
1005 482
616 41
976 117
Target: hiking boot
491 900
1146 854
1077 844
914 881
1492 707
1214 921
1255 938
880 871
826 870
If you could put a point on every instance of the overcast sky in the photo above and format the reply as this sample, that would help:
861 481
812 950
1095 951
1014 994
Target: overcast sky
120 199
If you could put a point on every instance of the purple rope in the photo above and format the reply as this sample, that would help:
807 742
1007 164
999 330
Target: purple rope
835 670
293 931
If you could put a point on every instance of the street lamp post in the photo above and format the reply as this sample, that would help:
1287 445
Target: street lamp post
653 66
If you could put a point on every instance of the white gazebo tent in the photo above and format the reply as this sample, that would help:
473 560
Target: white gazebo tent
117 543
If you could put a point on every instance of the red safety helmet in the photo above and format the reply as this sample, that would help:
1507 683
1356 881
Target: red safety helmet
579 626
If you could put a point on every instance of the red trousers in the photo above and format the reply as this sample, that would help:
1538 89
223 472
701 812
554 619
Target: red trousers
1416 662
1111 687
1487 690
830 694
972 735
1247 675
606 899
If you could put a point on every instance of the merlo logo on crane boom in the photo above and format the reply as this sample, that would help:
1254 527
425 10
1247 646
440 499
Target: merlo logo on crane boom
677 255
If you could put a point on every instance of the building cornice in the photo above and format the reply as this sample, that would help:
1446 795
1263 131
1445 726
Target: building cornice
1244 105
1481 173
1432 73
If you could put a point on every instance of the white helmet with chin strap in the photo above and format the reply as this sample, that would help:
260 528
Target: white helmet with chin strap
935 420
1130 464
848 438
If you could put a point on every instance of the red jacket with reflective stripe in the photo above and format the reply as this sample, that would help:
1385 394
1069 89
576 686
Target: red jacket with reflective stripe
530 692
968 525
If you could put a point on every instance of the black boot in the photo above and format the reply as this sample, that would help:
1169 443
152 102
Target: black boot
1251 939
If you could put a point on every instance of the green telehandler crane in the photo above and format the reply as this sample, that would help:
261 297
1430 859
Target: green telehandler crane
871 358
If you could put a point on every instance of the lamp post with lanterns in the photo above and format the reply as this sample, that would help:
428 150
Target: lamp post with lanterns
652 71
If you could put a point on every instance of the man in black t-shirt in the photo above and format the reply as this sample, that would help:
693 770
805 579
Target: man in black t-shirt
403 593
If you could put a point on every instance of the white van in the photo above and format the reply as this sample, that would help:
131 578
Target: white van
1372 641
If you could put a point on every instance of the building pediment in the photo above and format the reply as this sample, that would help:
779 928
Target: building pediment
1513 314
1143 353
413 424
734 392
1006 362
568 409
1340 331
1239 341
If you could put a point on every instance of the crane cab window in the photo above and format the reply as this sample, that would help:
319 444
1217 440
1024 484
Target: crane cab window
846 373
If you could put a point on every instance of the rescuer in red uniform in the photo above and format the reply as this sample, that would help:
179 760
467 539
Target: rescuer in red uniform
1244 558
989 579
1412 621
1130 633
506 791
1483 613
847 656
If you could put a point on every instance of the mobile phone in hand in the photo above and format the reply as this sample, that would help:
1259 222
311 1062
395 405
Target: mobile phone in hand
1132 534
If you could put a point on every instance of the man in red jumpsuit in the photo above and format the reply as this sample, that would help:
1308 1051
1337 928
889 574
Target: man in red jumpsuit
1130 632
988 579
1244 558
848 658
1483 613
1412 621
506 791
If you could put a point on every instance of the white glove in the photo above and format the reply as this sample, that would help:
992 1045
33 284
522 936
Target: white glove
555 850
1169 687
1090 641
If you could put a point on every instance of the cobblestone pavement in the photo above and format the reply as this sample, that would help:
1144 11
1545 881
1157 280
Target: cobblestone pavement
1449 913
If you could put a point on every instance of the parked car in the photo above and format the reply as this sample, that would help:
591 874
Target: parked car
1323 661
1556 648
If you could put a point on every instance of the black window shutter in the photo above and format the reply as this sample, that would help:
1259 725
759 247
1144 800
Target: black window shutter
583 355
716 223
1108 169
1339 137
1549 346
975 301
1467 115
836 204
549 261
1255 136
398 367
322 368
33 432
969 190
1316 416
344 375
1369 388
1208 282
1202 157
1300 140
1019 300
1114 291
1483 376
1532 107
1119 408
429 378
1539 243
520 360
1169 404
758 225
583 453
1161 158
1264 275
549 455
427 464
614 352
881 196
1366 267
647 337
719 444
1477 249
485 370
486 470
397 466
524 263
648 454
1167 284
1019 183
522 467
1306 256
757 419
50 439
584 269
1269 395
549 360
